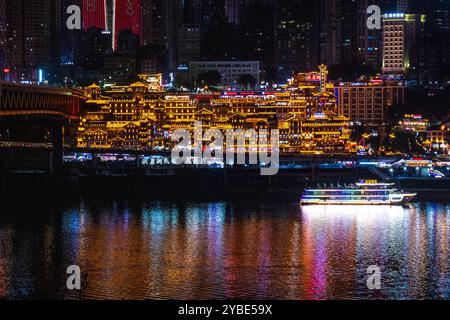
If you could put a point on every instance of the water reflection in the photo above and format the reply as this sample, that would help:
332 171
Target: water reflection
218 250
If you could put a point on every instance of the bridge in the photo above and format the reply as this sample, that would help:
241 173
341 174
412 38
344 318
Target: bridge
30 111
31 100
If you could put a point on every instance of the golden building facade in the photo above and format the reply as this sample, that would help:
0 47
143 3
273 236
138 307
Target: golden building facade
143 116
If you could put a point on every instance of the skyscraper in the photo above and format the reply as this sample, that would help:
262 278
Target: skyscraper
94 14
33 38
395 6
369 41
296 37
189 11
256 32
339 29
2 35
404 54
437 29
159 26
70 39
345 38
213 12
110 15
127 16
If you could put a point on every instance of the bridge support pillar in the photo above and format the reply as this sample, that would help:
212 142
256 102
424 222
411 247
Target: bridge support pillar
58 146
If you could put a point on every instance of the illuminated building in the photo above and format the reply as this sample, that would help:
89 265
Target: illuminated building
369 102
118 68
436 140
432 137
232 10
188 43
3 49
438 40
32 39
127 16
127 42
230 71
94 14
402 6
257 35
297 31
404 47
159 22
113 16
93 46
414 122
142 115
362 193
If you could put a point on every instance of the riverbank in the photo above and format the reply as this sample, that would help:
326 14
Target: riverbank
208 183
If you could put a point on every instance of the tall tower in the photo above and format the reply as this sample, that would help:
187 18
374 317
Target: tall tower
404 46
296 37
402 6
33 38
109 9
232 11
3 51
345 37
156 21
94 14
127 16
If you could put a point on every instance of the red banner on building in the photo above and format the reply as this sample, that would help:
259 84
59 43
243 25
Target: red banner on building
127 16
94 14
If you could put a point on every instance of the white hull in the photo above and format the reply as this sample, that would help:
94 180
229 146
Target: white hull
368 196
352 203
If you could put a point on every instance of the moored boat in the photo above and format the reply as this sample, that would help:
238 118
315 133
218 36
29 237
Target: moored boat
361 193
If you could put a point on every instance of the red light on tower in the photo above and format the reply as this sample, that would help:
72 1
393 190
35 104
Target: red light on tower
6 70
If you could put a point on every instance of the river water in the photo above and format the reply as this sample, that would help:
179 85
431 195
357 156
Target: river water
171 249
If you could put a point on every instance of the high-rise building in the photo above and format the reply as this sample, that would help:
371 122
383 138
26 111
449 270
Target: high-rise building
2 37
402 6
369 41
127 42
369 102
345 39
213 12
296 37
70 39
189 11
256 32
404 54
218 38
159 27
230 71
437 29
110 15
394 6
113 16
338 32
188 43
33 39
154 24
92 46
127 16
94 14
232 11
